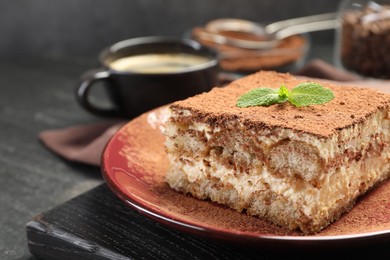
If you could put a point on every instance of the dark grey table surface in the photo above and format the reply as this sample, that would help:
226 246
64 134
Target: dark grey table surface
36 95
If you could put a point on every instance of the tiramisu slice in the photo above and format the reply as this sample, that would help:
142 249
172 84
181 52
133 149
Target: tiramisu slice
298 167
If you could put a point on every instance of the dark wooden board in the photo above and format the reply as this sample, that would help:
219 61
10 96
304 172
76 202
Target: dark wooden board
97 225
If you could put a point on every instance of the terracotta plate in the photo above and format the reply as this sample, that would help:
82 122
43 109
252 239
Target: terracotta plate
134 166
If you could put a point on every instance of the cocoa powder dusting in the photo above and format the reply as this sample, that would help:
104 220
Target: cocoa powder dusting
219 105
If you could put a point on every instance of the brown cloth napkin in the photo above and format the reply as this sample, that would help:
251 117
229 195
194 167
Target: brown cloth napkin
81 143
85 143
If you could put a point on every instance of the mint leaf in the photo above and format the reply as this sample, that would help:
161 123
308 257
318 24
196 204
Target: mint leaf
283 93
305 94
258 97
310 93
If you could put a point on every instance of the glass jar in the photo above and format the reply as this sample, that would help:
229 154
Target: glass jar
363 37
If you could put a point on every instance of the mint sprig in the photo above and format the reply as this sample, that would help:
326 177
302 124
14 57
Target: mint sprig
305 94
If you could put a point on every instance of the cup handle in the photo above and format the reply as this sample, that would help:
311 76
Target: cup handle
82 92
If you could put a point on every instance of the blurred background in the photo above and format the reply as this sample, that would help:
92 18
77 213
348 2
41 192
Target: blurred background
78 29
45 45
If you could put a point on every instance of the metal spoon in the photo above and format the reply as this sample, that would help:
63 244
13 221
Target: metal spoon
270 34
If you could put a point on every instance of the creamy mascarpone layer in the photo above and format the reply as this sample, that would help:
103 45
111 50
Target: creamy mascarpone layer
339 188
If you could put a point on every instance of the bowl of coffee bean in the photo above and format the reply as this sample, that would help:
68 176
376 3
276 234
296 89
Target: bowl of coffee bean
289 54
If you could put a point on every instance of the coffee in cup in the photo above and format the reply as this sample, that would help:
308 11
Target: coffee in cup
159 63
144 73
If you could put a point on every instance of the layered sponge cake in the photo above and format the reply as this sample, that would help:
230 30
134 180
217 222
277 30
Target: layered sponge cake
299 168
